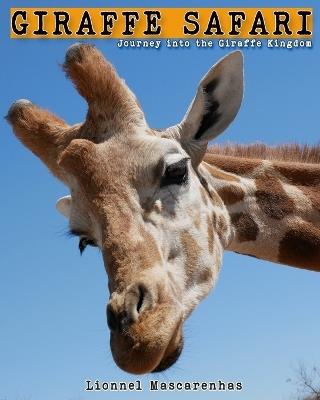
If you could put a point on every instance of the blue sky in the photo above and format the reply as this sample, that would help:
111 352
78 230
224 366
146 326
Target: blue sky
259 322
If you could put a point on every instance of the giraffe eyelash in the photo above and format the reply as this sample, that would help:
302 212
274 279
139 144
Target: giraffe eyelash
84 241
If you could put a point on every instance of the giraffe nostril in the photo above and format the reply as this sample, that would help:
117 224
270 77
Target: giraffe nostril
125 308
141 297
112 319
138 299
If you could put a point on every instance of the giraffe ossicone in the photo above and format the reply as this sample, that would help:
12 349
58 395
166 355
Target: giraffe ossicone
161 207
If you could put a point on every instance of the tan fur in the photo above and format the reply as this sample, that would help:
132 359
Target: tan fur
42 132
112 107
218 173
235 165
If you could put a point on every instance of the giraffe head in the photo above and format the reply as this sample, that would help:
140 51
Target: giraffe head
139 195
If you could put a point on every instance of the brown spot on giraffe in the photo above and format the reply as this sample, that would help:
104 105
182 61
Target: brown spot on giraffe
210 233
304 175
231 194
300 246
192 254
222 226
246 227
151 253
271 197
205 275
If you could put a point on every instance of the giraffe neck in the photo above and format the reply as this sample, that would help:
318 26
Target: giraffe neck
274 207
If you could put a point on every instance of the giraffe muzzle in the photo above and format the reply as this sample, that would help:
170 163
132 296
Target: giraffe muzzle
125 309
145 324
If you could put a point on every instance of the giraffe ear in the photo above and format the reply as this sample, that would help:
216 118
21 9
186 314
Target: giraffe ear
216 103
63 205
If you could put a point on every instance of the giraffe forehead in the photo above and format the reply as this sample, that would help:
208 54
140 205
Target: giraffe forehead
135 157
119 164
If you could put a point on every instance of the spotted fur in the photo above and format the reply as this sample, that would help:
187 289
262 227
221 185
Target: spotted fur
277 216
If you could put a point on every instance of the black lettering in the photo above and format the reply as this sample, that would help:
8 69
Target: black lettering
236 21
258 23
89 385
40 30
154 385
62 19
23 26
282 22
304 30
187 18
131 17
152 22
196 385
214 23
108 20
163 386
85 27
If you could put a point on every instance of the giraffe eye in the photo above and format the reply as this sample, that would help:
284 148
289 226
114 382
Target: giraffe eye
175 174
84 242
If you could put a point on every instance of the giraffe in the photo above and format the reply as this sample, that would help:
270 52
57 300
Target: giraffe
161 206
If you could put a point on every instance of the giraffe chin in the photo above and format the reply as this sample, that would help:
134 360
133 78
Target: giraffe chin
155 352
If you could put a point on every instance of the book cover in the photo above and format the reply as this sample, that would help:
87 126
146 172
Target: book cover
160 204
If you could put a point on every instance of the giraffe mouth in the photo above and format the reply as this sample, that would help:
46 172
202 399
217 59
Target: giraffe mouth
172 352
169 358
138 354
